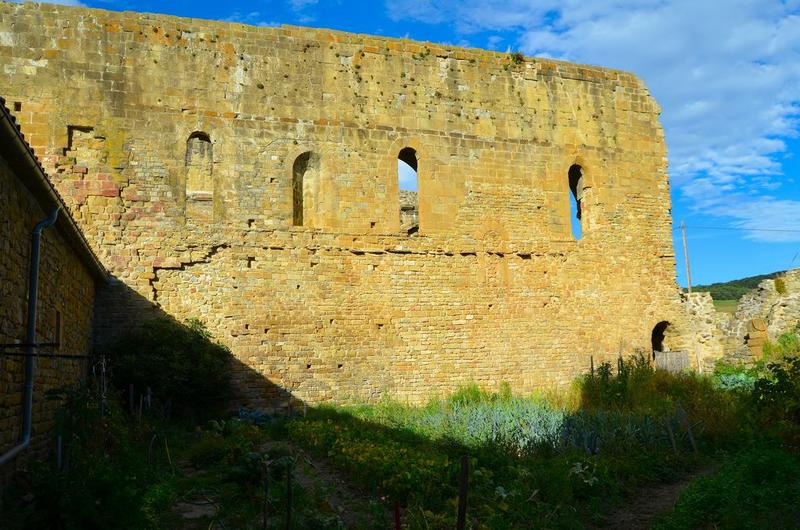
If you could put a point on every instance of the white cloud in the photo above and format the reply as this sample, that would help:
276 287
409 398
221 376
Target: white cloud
493 42
727 75
254 18
297 5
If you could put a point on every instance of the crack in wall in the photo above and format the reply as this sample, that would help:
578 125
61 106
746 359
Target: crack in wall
213 251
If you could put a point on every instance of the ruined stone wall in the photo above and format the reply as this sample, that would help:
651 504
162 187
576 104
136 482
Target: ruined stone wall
66 293
178 144
705 324
761 315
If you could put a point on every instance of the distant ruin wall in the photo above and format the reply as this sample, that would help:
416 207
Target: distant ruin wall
761 315
248 177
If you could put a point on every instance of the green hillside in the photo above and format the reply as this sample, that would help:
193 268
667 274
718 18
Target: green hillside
734 289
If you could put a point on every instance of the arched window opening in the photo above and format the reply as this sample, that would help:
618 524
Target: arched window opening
408 184
303 171
576 187
660 332
199 163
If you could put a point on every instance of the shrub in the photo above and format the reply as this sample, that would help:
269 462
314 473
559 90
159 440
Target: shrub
787 345
757 488
736 377
740 382
182 366
780 285
641 391
778 393
106 482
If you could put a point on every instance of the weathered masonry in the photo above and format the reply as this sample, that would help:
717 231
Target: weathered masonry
68 273
249 177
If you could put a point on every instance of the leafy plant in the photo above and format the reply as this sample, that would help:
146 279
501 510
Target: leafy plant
778 393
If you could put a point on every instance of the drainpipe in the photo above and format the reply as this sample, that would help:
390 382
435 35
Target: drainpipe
30 338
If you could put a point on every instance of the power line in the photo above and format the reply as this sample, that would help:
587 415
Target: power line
738 229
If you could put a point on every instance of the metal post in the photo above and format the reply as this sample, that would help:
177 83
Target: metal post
686 258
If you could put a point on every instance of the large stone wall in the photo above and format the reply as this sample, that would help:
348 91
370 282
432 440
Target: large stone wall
66 293
176 143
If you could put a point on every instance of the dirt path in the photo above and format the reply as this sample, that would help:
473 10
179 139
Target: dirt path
355 508
641 510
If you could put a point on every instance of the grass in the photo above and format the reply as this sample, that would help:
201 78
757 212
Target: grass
533 462
563 460
131 474
726 306
756 488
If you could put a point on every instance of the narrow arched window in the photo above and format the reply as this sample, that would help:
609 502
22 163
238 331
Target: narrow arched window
576 187
658 336
303 174
199 163
408 184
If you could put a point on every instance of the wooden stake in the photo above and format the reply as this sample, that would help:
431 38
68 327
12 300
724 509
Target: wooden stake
671 436
683 417
289 496
265 506
396 515
461 522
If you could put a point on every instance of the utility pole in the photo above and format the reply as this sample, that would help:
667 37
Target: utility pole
686 258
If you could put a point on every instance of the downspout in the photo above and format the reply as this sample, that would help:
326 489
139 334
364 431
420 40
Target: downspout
30 339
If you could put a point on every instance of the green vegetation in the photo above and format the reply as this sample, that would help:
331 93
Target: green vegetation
561 460
734 289
726 306
533 460
144 470
185 370
780 285
757 488
129 474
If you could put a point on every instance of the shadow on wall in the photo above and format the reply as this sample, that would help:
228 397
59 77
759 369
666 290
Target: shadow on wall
156 336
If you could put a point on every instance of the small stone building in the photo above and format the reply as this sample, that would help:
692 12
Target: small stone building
69 272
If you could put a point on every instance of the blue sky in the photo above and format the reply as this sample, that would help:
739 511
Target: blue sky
726 73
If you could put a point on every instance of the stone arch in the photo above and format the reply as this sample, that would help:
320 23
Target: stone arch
406 146
576 180
659 337
305 174
199 181
407 166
